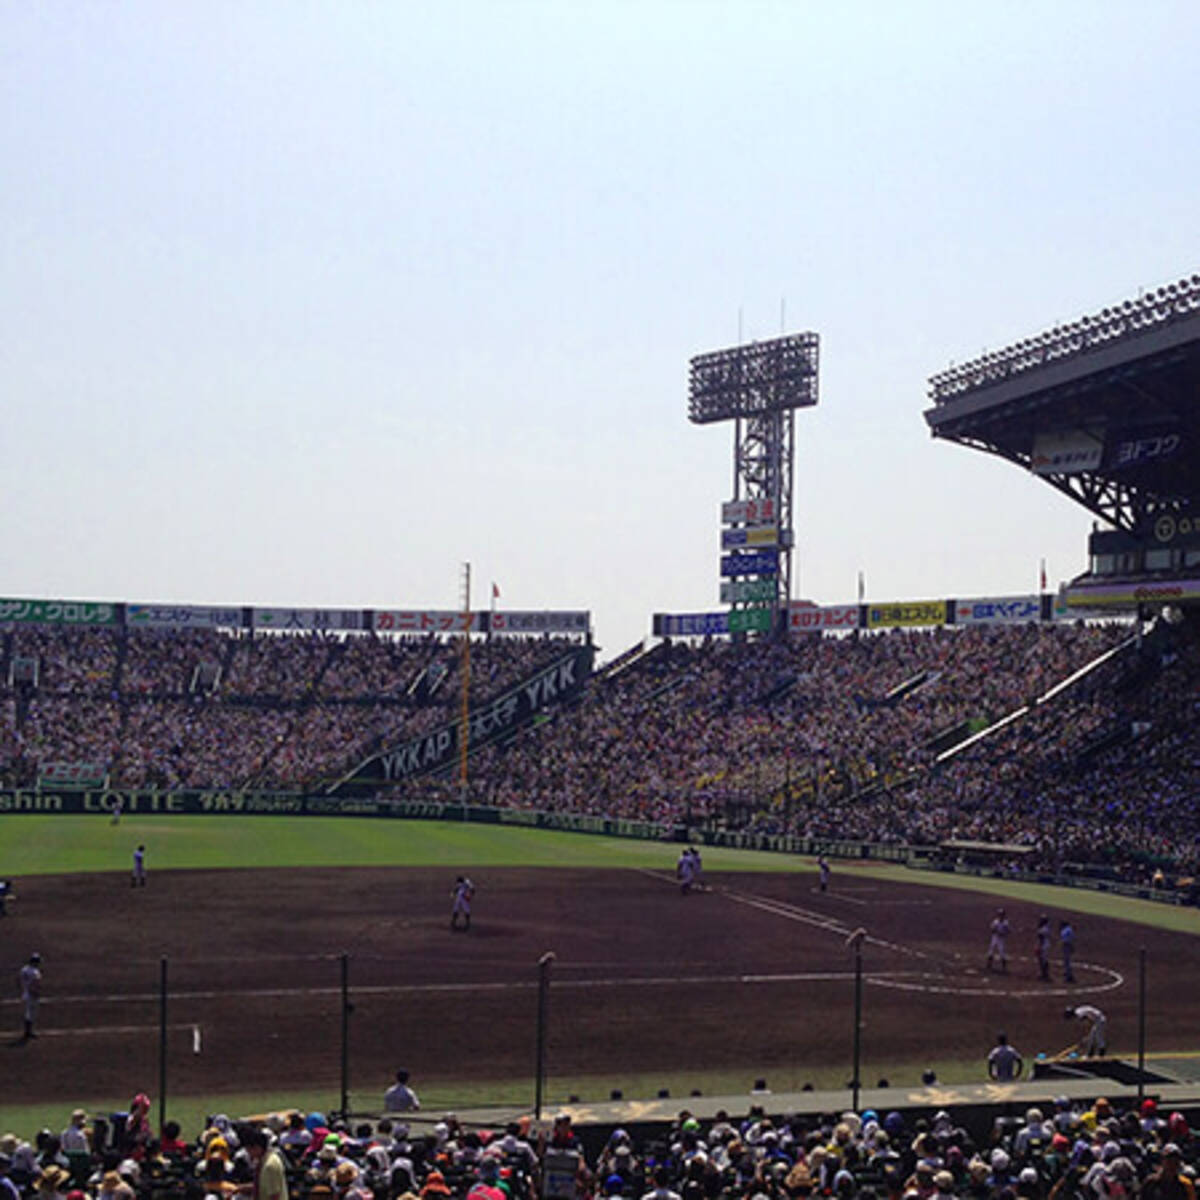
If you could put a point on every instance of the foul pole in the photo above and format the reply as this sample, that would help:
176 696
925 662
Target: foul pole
464 709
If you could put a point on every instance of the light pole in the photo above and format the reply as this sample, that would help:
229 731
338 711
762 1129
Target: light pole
855 941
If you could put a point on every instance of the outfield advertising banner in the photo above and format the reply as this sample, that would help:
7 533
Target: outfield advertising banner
439 750
1071 453
56 612
752 620
690 624
749 591
1129 594
514 622
182 616
998 610
1146 447
767 536
756 562
427 620
762 511
911 613
307 619
829 618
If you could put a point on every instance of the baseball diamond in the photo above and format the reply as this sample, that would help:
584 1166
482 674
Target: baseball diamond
752 975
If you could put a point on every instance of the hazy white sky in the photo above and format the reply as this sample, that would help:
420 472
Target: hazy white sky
310 303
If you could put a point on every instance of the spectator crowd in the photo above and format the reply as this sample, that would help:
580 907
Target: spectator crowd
212 709
1084 728
1068 1151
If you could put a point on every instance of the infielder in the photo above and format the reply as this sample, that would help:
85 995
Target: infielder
1066 940
1094 1043
998 945
463 892
31 992
823 868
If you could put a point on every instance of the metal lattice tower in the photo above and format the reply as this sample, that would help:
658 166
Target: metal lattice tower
758 386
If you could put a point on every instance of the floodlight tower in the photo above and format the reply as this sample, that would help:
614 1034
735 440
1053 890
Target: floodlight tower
758 386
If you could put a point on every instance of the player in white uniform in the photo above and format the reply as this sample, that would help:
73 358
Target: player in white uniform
31 992
685 871
998 945
464 891
1094 1042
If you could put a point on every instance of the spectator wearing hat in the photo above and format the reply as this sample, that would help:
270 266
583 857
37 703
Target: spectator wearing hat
51 1183
517 1150
611 1187
137 1127
113 1187
348 1183
435 1186
1029 1184
215 1175
76 1137
1034 1137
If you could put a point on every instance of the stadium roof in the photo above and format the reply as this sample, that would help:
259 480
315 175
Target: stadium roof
1105 408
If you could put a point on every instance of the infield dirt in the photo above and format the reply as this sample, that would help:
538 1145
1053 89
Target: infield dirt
754 975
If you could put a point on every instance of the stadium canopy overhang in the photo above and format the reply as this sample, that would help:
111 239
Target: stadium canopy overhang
1105 409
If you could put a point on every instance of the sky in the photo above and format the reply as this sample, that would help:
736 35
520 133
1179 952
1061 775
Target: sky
311 304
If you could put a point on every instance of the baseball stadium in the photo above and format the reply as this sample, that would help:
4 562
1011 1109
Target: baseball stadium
770 863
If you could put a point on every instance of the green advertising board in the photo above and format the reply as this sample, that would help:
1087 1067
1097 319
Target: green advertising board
56 612
751 620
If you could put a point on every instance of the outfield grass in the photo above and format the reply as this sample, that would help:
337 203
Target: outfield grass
40 844
50 844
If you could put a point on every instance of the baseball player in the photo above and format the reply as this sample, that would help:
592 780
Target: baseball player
31 992
685 871
463 892
1066 940
998 945
823 868
1094 1043
1004 1062
1042 947
139 867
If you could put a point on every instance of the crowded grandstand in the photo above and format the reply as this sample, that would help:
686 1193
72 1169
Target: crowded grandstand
1070 1150
1032 734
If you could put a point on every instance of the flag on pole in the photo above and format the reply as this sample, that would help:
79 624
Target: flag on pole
1043 574
862 587
495 591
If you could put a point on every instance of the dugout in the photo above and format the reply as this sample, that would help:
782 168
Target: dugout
996 857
